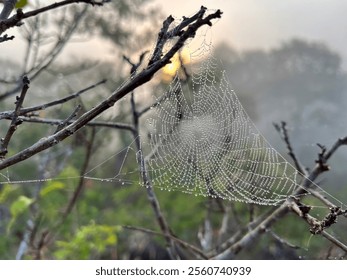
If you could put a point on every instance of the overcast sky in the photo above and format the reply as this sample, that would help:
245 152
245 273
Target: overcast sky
249 24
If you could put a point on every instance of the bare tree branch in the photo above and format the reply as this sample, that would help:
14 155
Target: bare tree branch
163 224
63 38
322 158
283 131
280 211
281 240
174 238
338 143
135 66
164 96
138 80
61 100
114 125
15 120
318 227
7 9
65 122
47 60
80 185
6 38
16 19
24 111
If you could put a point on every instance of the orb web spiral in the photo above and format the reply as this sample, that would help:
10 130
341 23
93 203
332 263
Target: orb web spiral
202 142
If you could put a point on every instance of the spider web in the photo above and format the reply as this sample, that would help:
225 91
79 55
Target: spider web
202 142
198 139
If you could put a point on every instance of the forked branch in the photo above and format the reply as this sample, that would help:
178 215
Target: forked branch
139 79
15 120
318 227
16 19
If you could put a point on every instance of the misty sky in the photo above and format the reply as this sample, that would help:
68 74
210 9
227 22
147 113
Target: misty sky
247 24
254 24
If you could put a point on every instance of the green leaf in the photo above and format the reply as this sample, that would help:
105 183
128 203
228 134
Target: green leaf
4 193
21 4
20 205
88 241
52 186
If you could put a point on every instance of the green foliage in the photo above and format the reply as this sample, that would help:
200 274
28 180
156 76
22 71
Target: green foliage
88 242
51 187
19 207
5 192
184 213
55 194
21 4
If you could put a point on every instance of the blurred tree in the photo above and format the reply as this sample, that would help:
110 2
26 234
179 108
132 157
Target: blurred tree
119 23
299 82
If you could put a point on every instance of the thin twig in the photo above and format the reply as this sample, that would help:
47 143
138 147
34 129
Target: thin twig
52 54
15 121
205 233
6 38
78 190
164 227
135 66
162 38
24 111
224 225
322 158
316 226
281 240
7 8
183 81
49 235
139 79
241 231
159 100
252 235
185 22
179 241
16 19
335 241
279 212
61 100
283 131
340 142
59 45
23 246
65 122
92 123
